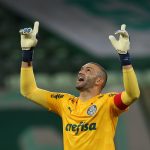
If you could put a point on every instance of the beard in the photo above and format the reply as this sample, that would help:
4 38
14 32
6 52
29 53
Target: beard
86 84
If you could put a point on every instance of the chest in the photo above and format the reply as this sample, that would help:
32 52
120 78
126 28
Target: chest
85 112
78 118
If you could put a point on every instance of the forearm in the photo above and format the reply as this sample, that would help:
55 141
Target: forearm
132 91
29 89
27 80
131 87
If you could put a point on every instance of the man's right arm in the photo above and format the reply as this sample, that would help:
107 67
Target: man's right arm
29 88
28 85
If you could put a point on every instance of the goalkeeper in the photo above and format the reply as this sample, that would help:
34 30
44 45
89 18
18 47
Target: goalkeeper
89 120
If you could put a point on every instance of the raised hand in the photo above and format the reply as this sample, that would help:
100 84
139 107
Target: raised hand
122 45
28 37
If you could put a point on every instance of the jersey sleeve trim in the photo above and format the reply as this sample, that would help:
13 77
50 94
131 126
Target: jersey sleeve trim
118 102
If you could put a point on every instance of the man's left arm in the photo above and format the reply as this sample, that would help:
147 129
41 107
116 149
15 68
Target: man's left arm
131 92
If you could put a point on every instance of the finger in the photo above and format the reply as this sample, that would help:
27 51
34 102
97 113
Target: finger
36 27
21 31
122 33
119 32
25 31
113 40
123 27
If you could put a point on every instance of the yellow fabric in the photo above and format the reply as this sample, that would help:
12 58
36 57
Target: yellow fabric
86 125
132 91
30 90
84 132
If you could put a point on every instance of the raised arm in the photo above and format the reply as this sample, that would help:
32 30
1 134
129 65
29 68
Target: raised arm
131 92
29 89
28 85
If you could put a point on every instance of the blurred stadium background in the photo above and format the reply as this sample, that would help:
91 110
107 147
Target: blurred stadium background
72 32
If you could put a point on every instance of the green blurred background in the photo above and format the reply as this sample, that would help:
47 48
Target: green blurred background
72 33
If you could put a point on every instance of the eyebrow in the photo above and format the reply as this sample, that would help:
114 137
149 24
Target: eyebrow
87 67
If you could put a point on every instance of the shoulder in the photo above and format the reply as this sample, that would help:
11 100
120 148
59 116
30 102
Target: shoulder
109 95
106 97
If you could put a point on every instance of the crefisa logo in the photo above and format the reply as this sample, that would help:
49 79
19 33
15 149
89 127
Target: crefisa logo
92 110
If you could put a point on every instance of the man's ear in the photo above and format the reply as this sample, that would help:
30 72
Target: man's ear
99 81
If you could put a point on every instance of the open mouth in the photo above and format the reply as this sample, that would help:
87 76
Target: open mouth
81 78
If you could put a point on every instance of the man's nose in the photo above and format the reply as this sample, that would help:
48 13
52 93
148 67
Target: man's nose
82 71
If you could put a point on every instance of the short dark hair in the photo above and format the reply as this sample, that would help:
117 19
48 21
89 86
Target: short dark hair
102 73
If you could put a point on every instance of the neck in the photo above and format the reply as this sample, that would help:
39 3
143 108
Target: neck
87 94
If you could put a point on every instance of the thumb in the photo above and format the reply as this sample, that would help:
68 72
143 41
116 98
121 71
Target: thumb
113 40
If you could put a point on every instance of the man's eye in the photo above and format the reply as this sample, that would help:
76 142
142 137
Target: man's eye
88 70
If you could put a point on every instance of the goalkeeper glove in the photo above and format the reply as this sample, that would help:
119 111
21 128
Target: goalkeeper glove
122 45
28 41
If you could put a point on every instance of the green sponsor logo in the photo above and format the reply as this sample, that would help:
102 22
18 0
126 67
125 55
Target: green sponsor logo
82 126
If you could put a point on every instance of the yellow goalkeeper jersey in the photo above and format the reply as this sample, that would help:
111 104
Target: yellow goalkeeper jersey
87 125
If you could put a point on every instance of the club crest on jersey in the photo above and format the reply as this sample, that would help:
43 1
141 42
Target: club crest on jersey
92 110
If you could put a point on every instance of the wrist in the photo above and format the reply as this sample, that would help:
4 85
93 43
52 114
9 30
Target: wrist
27 55
26 48
125 59
127 67
26 64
